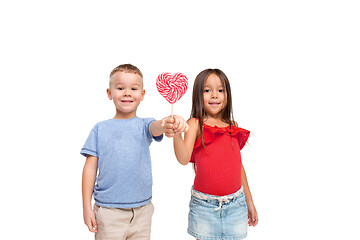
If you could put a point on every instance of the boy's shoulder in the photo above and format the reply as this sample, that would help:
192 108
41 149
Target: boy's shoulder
136 121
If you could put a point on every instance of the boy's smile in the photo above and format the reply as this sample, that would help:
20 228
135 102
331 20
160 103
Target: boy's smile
126 91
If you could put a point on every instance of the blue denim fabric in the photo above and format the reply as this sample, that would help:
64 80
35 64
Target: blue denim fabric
230 222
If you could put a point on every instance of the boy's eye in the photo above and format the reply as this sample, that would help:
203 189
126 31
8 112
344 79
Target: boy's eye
134 89
121 88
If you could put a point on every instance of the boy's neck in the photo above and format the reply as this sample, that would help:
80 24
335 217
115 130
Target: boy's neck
121 115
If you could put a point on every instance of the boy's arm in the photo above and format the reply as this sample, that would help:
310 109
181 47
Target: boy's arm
88 183
253 217
156 128
183 147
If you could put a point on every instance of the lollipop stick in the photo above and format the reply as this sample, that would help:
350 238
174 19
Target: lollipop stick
172 110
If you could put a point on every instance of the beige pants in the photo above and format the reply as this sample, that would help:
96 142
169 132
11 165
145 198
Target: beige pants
124 223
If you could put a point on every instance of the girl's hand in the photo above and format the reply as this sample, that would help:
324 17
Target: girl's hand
174 125
252 214
90 220
180 125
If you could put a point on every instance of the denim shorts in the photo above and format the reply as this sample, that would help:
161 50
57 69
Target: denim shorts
216 219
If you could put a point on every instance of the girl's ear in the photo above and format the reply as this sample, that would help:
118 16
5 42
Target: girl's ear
109 93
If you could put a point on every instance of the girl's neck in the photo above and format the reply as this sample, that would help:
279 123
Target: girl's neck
209 120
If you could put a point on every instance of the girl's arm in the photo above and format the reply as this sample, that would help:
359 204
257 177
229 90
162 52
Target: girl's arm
183 147
252 213
88 182
158 127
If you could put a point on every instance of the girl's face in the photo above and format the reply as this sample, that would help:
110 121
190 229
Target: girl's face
214 96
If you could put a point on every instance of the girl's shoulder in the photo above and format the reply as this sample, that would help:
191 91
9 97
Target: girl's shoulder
193 121
193 132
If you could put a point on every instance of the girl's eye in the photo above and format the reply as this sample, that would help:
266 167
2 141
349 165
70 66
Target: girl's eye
206 90
221 90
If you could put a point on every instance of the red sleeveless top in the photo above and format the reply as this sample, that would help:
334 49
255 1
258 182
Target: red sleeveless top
218 167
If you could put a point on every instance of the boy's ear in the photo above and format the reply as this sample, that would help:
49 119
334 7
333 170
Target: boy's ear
142 95
109 93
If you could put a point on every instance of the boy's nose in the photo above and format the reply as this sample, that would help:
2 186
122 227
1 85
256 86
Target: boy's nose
127 93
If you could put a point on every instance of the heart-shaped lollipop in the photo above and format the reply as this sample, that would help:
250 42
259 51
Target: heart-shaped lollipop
172 86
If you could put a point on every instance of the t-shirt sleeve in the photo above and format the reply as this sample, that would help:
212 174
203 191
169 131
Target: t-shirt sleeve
148 122
90 146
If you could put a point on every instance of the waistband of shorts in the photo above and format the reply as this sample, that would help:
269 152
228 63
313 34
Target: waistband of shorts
205 196
221 199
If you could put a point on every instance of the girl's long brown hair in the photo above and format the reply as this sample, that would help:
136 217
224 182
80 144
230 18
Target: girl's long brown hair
198 111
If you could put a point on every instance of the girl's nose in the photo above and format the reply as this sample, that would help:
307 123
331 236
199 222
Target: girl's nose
214 94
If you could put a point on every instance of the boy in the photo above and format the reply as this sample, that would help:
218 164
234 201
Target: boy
119 148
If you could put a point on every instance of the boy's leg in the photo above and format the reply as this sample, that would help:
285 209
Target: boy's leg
140 227
113 223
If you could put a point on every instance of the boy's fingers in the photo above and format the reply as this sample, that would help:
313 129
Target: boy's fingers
94 225
89 225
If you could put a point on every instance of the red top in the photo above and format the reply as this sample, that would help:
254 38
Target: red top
218 167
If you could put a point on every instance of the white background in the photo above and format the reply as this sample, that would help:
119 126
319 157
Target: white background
294 72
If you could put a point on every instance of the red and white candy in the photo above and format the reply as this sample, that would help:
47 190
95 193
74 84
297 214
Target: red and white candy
172 86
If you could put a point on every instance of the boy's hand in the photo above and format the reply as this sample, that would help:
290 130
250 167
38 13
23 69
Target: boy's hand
174 125
90 220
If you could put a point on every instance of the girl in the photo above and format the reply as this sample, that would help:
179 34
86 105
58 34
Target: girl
221 204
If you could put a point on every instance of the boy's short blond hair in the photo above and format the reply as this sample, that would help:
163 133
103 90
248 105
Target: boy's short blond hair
128 68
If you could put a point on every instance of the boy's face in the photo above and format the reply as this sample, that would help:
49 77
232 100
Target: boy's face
126 91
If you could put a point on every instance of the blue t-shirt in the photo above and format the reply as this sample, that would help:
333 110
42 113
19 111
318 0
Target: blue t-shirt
124 178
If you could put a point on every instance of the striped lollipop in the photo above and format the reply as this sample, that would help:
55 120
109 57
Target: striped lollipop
172 86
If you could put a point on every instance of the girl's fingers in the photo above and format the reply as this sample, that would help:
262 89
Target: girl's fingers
169 134
169 126
180 127
253 219
177 124
256 220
